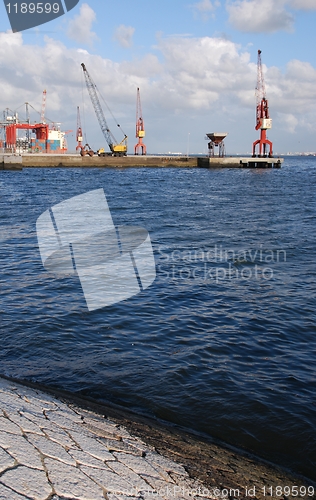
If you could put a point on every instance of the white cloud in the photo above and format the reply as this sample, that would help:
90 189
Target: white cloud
147 67
205 7
296 89
124 35
303 4
198 71
252 16
290 122
79 28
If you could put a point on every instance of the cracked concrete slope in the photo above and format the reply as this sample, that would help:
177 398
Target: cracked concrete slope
50 450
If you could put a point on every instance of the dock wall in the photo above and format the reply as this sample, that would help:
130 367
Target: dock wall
16 162
10 162
239 162
107 161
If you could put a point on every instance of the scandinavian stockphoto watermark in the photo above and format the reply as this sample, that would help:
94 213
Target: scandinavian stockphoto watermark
25 14
200 491
218 264
78 236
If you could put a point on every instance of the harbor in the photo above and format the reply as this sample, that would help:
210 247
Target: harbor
157 241
45 145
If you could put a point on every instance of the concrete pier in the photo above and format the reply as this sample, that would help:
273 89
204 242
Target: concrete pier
16 162
10 162
239 162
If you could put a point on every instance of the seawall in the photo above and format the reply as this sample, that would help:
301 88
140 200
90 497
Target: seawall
17 162
107 161
58 445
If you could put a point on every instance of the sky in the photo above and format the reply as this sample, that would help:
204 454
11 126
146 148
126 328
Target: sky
195 63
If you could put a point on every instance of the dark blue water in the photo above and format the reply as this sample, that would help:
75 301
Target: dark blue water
223 342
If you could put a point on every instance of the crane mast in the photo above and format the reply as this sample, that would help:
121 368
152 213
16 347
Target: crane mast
140 130
43 106
263 120
117 149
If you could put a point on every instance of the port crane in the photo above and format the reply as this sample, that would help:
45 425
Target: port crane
86 149
117 149
263 120
79 131
140 130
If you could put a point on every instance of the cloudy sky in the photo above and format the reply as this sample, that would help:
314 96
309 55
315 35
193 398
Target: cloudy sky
195 63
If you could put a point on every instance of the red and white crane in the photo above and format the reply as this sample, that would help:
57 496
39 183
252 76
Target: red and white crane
140 130
79 137
263 120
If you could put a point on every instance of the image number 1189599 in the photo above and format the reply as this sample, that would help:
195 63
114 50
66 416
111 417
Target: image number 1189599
33 8
25 14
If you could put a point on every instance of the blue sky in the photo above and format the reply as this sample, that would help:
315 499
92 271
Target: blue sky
194 61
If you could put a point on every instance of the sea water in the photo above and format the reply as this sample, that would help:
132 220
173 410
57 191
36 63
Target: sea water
224 340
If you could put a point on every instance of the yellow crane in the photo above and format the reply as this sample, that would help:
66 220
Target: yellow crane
116 148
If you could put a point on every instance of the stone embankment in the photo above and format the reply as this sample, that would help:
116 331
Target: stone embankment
60 448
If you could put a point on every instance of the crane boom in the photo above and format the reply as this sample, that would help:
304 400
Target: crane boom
115 148
260 88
